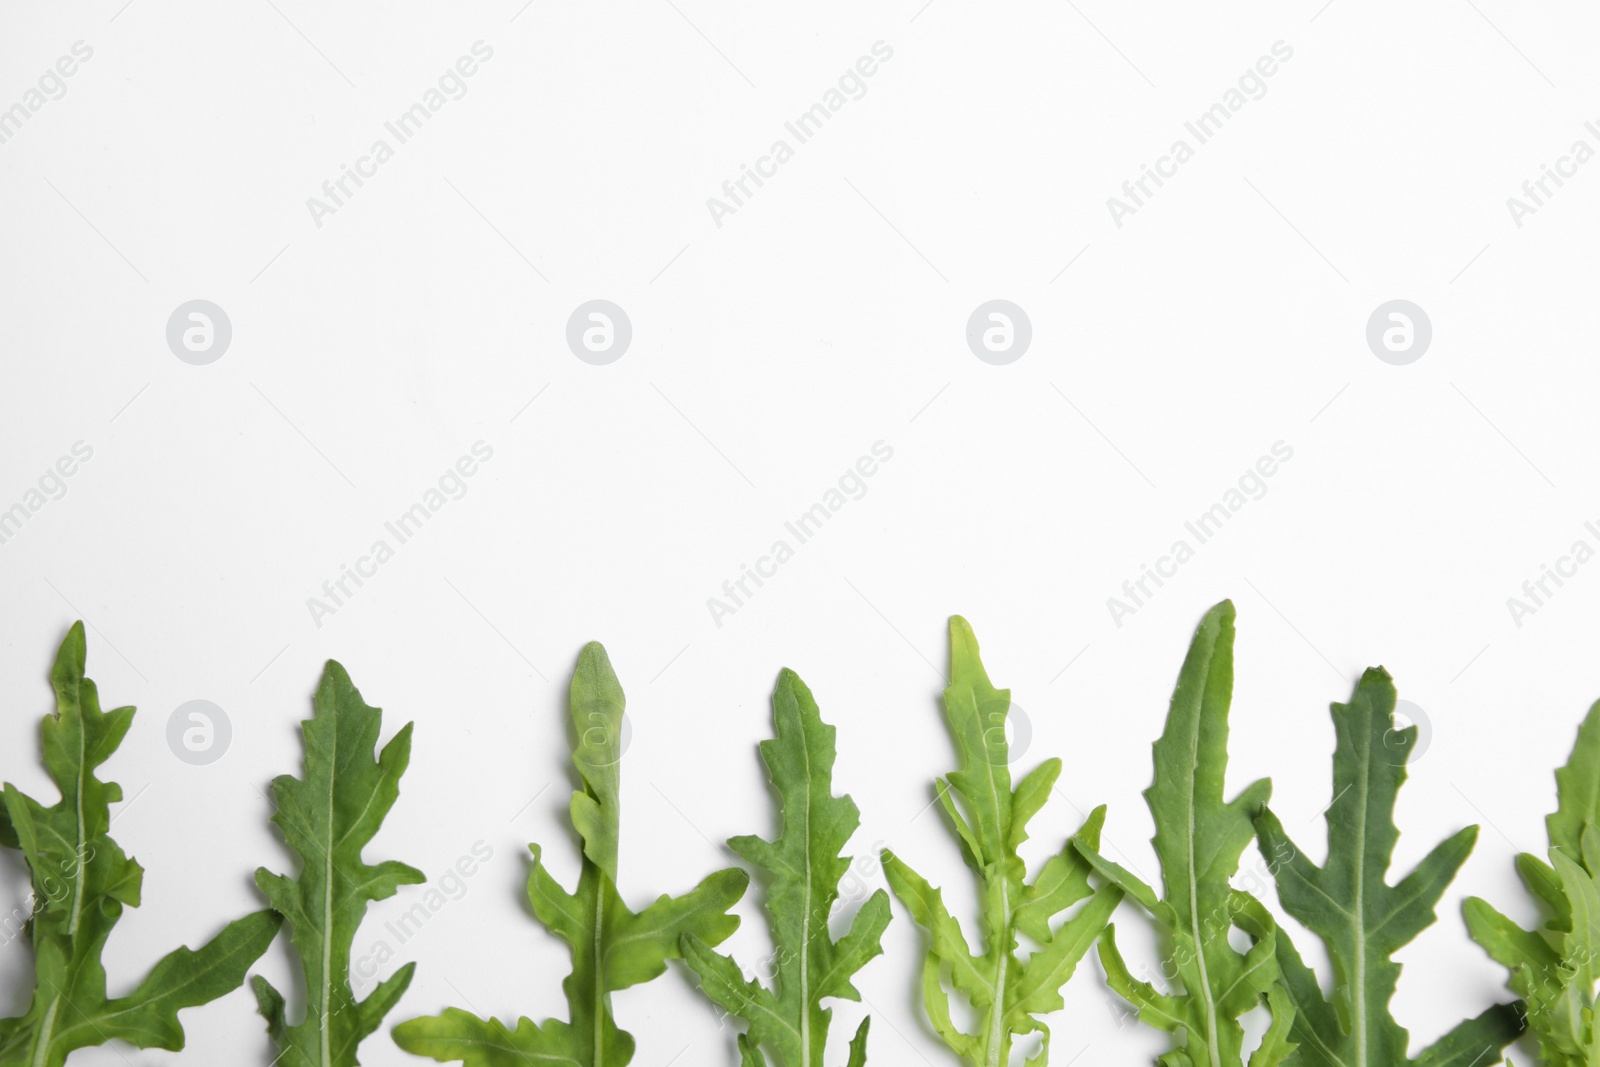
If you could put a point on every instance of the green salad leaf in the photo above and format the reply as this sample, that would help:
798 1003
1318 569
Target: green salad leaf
82 880
1554 968
788 1020
1362 919
612 947
1199 840
1007 993
327 818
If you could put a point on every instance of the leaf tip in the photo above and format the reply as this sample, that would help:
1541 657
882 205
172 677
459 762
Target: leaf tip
595 680
593 656
71 657
335 677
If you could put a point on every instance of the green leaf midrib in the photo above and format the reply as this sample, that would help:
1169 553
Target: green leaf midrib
80 862
70 928
1361 919
41 1052
990 825
1213 1023
585 920
598 961
325 1037
805 873
1360 912
997 1007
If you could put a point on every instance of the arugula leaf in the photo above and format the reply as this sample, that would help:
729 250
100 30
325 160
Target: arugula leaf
1006 992
1554 969
1360 917
327 818
788 1020
1199 839
612 947
81 882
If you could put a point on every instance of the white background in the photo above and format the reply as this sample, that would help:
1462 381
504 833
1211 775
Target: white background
768 354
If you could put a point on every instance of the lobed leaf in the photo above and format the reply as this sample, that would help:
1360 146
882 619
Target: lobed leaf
788 1021
1554 969
82 880
1199 839
327 818
1006 991
1362 919
612 947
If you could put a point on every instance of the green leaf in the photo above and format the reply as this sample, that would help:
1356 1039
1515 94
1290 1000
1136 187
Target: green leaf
1477 1041
1577 790
788 1020
81 882
327 818
1276 1045
455 1035
858 1044
611 946
1199 839
749 1055
1359 916
1006 992
1553 969
1507 943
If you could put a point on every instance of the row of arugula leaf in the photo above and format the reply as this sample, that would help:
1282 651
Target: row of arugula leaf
82 881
